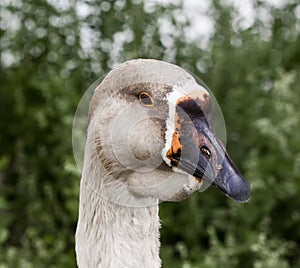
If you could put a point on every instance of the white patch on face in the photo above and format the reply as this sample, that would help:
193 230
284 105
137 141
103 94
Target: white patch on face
179 90
172 98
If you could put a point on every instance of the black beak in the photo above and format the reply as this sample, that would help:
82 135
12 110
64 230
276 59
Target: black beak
230 181
202 155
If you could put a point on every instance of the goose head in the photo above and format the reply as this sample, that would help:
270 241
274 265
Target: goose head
151 130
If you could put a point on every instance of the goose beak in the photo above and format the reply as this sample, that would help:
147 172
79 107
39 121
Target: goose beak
230 181
196 150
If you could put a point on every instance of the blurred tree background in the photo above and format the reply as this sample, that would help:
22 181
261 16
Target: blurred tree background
52 51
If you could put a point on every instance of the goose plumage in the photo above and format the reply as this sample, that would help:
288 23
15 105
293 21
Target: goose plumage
149 138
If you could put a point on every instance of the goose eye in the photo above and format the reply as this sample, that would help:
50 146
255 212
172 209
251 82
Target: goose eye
146 99
205 151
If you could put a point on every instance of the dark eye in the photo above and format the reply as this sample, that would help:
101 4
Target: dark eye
146 99
205 151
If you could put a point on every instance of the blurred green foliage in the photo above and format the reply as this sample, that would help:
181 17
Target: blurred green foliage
51 51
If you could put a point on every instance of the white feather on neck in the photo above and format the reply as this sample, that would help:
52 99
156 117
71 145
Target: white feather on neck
108 234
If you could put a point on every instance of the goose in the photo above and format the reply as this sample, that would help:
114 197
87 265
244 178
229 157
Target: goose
150 138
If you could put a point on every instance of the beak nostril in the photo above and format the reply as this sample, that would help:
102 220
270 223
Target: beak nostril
205 151
219 167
